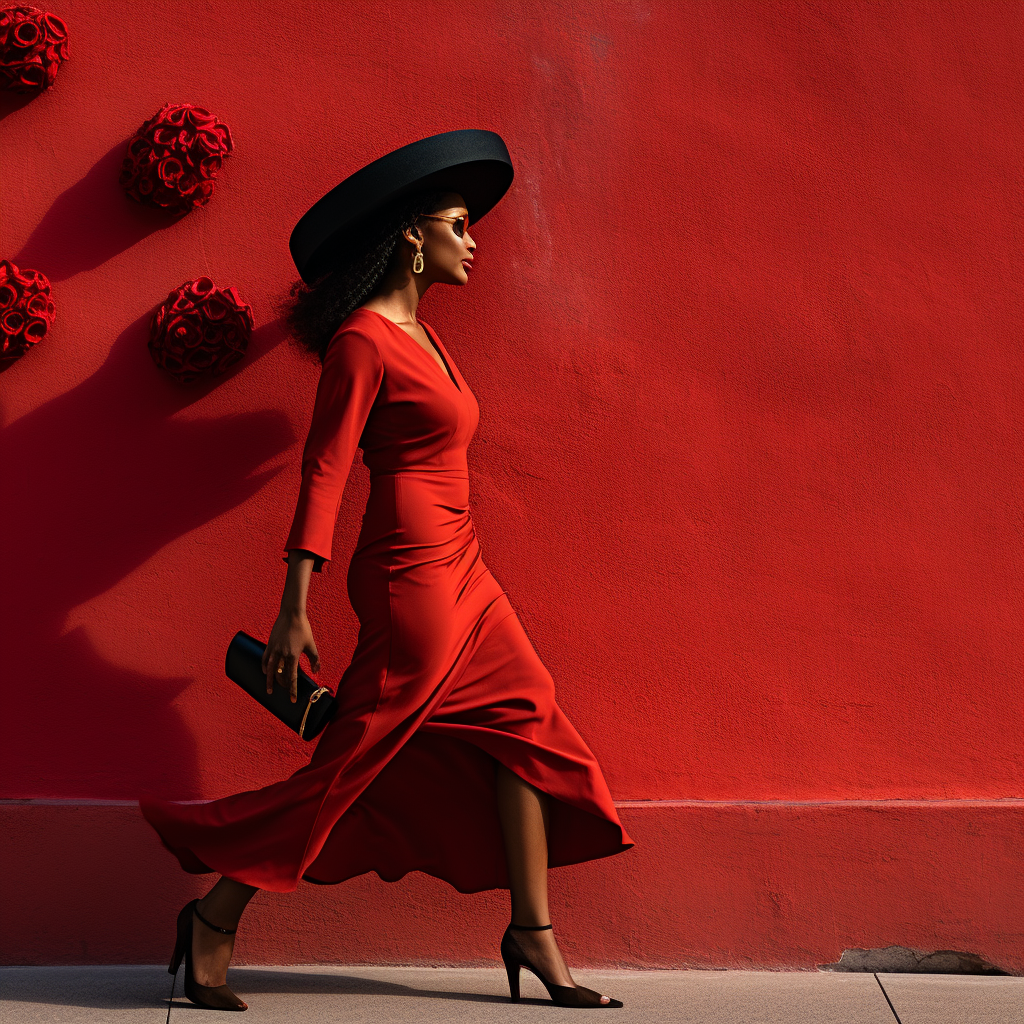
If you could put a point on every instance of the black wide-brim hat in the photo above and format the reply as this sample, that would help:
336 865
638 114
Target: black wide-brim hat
472 161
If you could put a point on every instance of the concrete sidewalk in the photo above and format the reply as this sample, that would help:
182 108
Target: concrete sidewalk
53 995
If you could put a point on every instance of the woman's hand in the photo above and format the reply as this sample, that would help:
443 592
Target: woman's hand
290 637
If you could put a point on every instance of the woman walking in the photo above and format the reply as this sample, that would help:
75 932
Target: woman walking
447 753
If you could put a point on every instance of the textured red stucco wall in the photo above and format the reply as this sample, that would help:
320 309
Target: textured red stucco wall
746 337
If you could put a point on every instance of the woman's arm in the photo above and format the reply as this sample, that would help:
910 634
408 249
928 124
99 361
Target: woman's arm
292 635
349 381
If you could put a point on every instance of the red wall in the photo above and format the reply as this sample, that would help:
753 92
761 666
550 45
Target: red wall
746 337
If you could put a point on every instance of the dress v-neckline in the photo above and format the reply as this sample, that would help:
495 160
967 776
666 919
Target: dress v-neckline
447 371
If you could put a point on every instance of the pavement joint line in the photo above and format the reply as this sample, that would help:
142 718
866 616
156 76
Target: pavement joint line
887 999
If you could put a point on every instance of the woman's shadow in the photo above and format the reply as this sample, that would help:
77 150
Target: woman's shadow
96 481
132 987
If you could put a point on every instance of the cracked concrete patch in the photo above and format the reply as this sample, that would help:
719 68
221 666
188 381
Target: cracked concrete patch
903 960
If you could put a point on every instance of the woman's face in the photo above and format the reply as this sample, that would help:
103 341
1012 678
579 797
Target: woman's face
446 256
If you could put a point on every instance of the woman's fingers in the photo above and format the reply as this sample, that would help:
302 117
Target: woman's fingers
271 667
284 669
277 669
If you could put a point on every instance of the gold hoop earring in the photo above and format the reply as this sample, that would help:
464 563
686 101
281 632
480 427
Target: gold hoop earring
417 263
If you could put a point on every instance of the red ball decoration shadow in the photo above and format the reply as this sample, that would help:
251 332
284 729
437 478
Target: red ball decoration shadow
33 44
200 330
172 160
26 311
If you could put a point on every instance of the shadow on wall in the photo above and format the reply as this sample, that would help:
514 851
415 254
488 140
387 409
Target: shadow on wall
90 223
12 102
96 481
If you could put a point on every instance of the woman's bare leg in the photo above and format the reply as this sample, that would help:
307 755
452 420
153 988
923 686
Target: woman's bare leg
523 810
211 951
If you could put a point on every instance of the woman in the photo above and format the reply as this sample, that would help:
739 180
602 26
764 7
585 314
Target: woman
447 753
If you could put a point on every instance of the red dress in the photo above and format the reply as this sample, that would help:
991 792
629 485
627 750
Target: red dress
443 678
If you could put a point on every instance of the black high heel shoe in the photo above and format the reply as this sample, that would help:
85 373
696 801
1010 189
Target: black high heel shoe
211 997
561 995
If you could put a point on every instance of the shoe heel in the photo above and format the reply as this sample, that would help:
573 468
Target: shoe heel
180 942
561 995
179 952
512 970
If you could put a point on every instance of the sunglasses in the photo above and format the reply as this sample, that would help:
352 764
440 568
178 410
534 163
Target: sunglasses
460 224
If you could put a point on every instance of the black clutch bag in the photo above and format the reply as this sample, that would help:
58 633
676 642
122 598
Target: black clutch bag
307 716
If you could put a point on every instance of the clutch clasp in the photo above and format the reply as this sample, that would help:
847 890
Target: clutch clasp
313 698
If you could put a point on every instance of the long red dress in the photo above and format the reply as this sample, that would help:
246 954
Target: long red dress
443 680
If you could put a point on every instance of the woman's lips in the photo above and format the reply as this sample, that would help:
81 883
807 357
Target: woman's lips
467 265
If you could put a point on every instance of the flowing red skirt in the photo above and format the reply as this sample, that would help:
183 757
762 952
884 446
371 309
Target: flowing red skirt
443 684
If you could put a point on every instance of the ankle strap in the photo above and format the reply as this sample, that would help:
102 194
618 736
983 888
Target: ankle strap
531 927
216 928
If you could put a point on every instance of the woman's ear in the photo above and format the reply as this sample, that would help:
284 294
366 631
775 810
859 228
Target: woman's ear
412 235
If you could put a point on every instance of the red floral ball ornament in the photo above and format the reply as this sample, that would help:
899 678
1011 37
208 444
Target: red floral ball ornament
200 330
33 44
172 160
26 311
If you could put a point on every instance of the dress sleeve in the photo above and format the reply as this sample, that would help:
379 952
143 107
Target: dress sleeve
349 381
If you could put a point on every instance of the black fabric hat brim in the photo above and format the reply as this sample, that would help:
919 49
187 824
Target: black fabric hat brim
471 161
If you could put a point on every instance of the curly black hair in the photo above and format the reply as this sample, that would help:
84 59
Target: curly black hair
314 312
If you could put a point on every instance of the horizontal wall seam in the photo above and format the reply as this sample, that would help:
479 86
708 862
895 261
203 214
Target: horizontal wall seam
944 802
895 803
